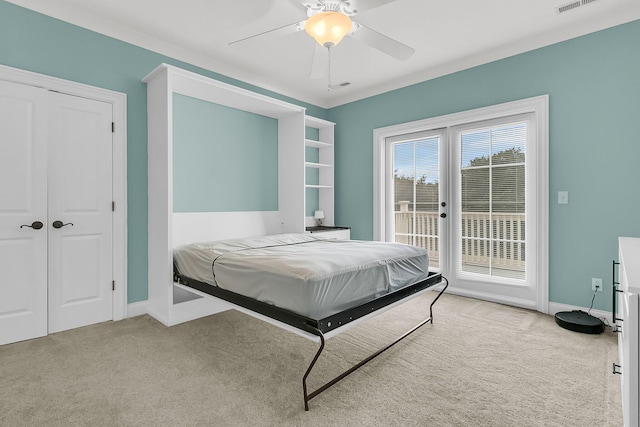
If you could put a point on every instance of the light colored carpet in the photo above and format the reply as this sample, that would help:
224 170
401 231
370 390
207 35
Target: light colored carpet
479 364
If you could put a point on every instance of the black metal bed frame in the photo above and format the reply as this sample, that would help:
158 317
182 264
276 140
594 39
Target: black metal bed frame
319 327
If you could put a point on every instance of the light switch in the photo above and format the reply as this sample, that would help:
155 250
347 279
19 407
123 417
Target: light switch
563 197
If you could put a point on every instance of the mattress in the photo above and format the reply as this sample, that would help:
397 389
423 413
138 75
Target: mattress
307 274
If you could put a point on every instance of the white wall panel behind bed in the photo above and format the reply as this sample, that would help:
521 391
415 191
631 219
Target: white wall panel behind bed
193 227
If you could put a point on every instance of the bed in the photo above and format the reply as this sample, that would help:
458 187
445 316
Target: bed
314 284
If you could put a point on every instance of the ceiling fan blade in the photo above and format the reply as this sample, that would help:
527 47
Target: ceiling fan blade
319 62
315 5
382 43
281 31
365 5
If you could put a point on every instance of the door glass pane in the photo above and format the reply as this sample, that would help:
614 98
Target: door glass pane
404 191
493 201
416 195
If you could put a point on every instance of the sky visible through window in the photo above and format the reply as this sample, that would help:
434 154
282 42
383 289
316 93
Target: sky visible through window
486 143
415 159
420 157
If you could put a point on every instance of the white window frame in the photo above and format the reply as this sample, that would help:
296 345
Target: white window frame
539 106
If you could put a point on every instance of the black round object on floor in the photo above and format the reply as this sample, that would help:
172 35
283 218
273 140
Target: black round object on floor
579 321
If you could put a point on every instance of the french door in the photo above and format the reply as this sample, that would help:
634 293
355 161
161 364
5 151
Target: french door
494 211
472 192
417 193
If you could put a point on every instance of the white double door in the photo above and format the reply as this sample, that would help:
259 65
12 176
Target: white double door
55 212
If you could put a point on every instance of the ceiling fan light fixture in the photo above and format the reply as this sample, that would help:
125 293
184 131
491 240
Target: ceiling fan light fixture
328 28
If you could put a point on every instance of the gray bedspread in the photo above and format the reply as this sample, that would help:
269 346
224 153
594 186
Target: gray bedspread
304 273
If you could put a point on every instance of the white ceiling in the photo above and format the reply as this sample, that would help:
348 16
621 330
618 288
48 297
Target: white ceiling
447 35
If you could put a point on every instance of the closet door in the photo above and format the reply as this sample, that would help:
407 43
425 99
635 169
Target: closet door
23 212
80 212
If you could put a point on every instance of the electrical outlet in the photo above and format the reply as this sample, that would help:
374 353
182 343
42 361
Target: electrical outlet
563 197
596 284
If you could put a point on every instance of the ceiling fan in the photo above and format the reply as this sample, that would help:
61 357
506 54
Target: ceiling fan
328 21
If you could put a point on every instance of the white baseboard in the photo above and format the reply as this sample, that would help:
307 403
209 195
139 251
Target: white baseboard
552 309
500 299
137 309
555 307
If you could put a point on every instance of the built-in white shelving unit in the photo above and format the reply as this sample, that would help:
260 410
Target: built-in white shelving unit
325 184
171 303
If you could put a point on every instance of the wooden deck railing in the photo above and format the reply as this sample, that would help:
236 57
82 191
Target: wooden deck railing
496 240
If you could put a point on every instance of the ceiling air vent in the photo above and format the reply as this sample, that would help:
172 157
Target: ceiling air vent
339 85
573 5
568 7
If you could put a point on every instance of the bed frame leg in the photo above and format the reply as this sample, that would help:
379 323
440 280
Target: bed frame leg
446 285
307 398
318 332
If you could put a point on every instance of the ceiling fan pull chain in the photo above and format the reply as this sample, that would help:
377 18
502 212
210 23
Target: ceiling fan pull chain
329 68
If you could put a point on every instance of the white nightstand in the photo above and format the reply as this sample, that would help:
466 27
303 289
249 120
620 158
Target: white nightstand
331 231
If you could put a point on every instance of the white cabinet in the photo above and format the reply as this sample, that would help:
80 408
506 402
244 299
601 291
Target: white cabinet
319 171
628 327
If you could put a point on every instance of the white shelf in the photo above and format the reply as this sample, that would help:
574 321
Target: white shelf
317 165
317 144
318 186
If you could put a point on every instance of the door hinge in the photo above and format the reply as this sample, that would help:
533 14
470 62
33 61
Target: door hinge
113 206
113 127
113 285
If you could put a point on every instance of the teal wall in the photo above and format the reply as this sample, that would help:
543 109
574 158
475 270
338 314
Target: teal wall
593 84
224 160
594 92
41 44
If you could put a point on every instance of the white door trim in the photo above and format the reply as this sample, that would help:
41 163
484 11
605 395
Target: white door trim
538 105
119 102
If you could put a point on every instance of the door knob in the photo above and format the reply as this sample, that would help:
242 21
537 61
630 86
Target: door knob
59 224
36 225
